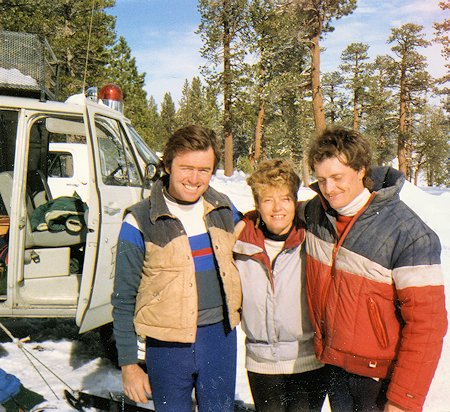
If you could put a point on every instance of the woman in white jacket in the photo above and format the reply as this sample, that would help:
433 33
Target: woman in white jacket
283 372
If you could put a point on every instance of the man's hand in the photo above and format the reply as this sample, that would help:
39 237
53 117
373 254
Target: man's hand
391 407
135 383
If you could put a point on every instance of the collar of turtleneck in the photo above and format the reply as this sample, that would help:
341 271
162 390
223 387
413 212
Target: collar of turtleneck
355 205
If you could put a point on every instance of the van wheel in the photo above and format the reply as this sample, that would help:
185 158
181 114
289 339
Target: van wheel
108 343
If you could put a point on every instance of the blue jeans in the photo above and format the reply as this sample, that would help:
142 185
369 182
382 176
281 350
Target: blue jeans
208 366
349 392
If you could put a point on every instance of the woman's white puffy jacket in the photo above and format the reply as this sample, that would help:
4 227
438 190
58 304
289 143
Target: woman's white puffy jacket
275 315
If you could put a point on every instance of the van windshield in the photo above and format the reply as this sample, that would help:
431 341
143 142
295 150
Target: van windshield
145 152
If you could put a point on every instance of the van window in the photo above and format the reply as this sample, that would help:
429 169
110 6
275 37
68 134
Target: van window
8 131
118 165
146 153
61 164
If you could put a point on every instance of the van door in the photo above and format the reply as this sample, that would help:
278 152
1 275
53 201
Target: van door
119 185
46 235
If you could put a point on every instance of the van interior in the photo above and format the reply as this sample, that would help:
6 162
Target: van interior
55 229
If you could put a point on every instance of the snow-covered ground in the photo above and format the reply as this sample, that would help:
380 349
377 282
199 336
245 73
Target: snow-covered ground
76 361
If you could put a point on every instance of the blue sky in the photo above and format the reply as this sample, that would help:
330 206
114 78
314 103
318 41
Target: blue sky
161 35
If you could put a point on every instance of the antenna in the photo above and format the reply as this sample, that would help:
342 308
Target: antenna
88 45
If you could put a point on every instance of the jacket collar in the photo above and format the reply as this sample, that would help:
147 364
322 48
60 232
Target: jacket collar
253 235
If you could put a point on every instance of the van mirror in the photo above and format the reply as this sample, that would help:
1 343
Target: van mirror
150 175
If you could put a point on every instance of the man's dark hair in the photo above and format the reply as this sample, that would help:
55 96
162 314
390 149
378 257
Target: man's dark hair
189 139
348 145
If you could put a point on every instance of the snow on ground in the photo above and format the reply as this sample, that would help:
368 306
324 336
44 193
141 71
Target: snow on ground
77 360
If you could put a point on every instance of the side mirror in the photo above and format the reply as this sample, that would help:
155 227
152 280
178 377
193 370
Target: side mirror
150 175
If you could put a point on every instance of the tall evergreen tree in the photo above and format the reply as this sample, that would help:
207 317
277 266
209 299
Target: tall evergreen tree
192 104
280 67
156 133
412 79
315 18
223 25
263 21
355 69
381 119
432 151
183 115
442 37
335 99
167 116
212 115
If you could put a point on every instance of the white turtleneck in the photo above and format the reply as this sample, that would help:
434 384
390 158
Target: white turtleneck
355 205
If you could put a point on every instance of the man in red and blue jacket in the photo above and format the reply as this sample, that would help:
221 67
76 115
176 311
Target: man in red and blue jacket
374 281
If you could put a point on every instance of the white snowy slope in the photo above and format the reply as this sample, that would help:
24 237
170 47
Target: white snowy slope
77 361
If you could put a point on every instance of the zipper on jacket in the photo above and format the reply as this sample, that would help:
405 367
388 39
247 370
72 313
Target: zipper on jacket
337 245
326 290
377 323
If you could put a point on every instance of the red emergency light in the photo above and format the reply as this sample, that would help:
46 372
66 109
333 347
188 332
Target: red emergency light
112 96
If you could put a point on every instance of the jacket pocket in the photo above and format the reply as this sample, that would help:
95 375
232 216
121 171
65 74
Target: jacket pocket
377 323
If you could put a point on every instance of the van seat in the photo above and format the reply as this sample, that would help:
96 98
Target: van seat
37 239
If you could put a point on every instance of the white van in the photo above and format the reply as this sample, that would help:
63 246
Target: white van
60 258
64 272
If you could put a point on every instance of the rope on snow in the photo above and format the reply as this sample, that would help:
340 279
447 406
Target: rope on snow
30 356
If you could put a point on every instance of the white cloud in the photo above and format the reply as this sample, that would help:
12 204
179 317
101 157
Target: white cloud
169 63
372 24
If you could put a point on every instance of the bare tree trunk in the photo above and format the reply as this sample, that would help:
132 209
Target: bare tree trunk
317 99
228 138
430 179
416 175
227 129
306 176
254 157
355 113
401 144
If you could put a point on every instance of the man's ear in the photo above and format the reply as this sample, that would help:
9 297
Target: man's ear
362 173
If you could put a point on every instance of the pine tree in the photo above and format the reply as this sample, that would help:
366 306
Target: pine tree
381 118
314 21
155 139
442 37
167 116
211 114
355 69
411 81
432 152
192 104
280 63
223 26
335 100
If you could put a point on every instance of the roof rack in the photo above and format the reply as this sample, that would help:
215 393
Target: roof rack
28 66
